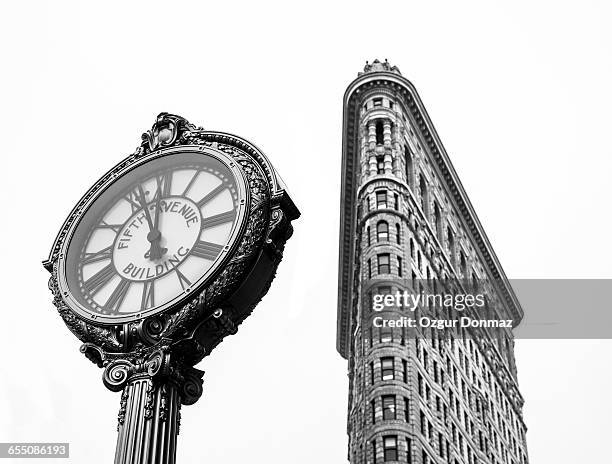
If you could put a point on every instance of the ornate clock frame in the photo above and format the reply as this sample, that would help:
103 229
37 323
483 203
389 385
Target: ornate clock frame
151 358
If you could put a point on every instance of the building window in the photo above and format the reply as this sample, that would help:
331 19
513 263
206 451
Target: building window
374 451
388 405
372 373
463 265
387 368
381 199
409 169
369 268
369 237
405 371
382 231
379 133
424 194
384 290
390 447
450 239
395 201
384 267
422 423
373 406
398 234
411 248
386 334
378 102
399 266
406 409
437 220
380 165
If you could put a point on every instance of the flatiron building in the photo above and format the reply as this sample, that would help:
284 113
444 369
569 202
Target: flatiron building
417 395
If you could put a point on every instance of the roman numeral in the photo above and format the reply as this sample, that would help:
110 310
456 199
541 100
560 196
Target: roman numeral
116 299
206 250
99 280
164 184
212 194
114 227
133 199
103 254
191 182
219 219
148 295
184 281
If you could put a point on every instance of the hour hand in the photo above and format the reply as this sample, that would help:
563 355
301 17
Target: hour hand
156 251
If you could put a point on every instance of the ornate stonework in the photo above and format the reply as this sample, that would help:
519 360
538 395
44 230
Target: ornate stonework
417 396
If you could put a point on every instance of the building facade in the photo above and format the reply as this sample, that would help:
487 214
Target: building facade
417 395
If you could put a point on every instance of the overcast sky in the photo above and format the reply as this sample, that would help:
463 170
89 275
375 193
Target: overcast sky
519 93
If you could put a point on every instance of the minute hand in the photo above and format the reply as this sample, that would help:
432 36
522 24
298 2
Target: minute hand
143 205
154 237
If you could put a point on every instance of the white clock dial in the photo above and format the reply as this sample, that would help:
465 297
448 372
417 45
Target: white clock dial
155 237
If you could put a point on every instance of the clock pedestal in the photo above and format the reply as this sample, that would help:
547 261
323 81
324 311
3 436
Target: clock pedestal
153 389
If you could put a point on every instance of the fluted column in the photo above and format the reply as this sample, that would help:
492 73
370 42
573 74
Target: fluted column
148 423
153 389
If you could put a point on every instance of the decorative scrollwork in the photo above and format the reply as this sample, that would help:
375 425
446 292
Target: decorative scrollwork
156 363
122 408
149 400
84 331
166 131
150 329
191 388
116 374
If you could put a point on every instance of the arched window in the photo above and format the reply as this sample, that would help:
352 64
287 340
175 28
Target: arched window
463 265
380 138
382 231
409 166
451 244
437 220
398 234
424 194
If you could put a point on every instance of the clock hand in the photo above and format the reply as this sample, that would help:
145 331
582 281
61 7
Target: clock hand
157 201
154 236
143 205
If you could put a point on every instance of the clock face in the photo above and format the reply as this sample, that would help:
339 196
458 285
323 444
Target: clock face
154 234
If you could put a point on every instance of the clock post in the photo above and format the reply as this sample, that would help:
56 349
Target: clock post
162 258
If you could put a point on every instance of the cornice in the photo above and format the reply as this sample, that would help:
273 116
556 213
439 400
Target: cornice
441 161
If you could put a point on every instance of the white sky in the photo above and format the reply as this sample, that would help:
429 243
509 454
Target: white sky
519 92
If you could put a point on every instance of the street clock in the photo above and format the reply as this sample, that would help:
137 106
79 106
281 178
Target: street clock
164 256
